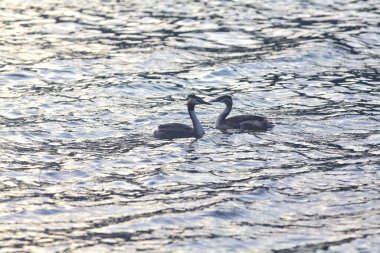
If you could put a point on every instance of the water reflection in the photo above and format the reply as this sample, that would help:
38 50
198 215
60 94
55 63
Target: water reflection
82 86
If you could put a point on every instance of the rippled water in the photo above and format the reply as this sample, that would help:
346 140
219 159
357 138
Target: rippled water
83 84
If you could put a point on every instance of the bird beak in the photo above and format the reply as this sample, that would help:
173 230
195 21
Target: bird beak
214 100
206 103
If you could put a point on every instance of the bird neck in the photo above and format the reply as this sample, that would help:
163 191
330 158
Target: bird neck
222 117
198 129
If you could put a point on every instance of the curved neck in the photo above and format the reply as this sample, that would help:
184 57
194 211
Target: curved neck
223 116
198 129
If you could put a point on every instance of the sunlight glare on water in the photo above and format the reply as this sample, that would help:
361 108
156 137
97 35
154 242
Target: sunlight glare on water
83 85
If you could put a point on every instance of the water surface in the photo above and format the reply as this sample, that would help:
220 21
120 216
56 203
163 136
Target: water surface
83 84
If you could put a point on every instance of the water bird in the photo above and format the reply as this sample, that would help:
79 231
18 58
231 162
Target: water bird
243 122
178 130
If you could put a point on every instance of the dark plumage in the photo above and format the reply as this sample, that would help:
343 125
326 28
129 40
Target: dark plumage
243 122
177 130
247 122
173 131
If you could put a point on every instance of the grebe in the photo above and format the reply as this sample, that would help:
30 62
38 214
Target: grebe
177 130
243 122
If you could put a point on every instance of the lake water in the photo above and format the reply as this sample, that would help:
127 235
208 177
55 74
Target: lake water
83 84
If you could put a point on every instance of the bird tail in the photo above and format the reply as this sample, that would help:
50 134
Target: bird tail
269 124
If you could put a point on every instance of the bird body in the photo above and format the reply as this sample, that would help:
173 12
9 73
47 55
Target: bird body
173 131
243 122
178 130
